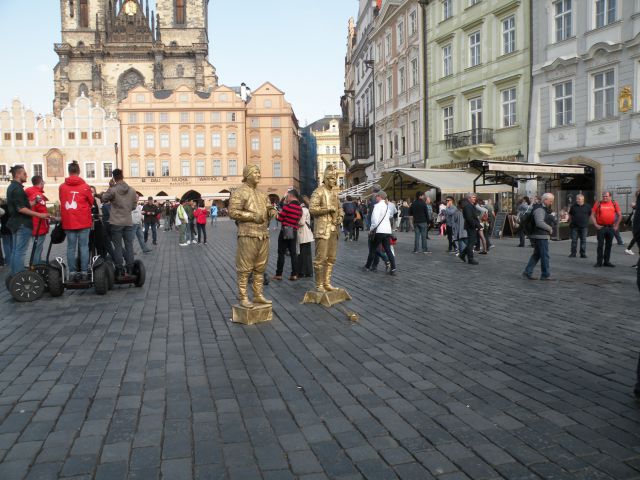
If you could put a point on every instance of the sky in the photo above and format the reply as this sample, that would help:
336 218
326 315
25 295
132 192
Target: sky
298 45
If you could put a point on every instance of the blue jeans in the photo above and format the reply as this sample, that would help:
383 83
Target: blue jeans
540 254
581 233
137 232
20 244
78 240
420 234
154 234
120 233
188 233
7 246
37 257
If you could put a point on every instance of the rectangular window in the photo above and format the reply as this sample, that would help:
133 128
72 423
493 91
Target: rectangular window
413 22
275 122
7 137
90 170
148 117
255 123
37 169
184 140
403 140
19 136
29 136
150 140
474 49
107 170
233 167
415 136
379 98
231 117
605 12
133 117
185 168
184 117
96 135
509 34
199 140
255 144
164 117
199 117
563 19
133 167
277 144
508 107
133 140
231 140
215 116
151 168
217 168
603 94
200 168
181 12
277 169
165 168
447 61
3 170
563 103
389 88
447 9
164 140
402 80
216 140
400 33
415 74
71 136
387 45
83 135
447 120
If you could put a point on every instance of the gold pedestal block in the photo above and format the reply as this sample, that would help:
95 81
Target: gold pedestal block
251 316
326 299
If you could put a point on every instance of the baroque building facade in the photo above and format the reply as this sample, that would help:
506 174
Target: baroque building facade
479 80
178 140
46 145
326 132
108 47
586 75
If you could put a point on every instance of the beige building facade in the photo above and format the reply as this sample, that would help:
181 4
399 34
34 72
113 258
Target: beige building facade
182 140
109 47
327 134
46 145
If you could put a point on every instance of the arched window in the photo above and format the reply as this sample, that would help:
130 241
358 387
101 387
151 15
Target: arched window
84 13
128 81
181 12
328 149
83 90
334 150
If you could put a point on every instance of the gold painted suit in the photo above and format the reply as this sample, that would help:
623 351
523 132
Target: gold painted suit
326 232
252 211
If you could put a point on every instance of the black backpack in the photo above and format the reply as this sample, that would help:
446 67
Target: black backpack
528 222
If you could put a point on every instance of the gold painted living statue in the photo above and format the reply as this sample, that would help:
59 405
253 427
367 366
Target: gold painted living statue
328 215
252 212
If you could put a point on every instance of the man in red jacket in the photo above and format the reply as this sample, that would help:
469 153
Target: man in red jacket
76 201
38 200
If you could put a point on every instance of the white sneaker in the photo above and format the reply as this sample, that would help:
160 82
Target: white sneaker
183 244
629 252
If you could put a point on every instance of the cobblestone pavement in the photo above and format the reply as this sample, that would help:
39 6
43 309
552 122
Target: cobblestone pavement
452 372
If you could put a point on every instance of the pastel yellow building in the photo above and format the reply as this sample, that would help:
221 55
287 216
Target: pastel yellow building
182 140
327 134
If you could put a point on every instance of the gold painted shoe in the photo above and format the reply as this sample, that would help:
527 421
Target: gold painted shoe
330 288
261 300
246 303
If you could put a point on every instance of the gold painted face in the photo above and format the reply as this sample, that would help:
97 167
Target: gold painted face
254 177
130 8
331 179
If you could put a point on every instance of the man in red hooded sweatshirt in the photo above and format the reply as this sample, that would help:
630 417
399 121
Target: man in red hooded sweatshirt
76 201
38 200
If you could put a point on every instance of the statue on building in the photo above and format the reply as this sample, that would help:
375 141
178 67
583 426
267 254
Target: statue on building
328 215
96 77
158 76
252 211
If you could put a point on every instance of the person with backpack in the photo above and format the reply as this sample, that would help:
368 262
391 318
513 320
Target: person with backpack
606 216
538 224
349 218
579 214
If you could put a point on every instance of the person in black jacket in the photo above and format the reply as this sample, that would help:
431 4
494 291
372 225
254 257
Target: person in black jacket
421 218
579 215
150 212
471 225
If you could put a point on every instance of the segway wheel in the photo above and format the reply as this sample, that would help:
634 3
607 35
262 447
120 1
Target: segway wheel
101 280
140 272
55 281
43 271
7 282
111 274
26 287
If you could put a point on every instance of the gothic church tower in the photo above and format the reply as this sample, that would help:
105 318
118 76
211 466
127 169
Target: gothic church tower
111 46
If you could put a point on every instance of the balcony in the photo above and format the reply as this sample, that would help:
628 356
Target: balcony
477 142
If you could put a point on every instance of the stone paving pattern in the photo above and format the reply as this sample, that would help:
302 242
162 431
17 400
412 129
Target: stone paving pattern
452 372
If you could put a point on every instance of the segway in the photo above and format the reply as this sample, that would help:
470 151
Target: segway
29 285
137 276
97 276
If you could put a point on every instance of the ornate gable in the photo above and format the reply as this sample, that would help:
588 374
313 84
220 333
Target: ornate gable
129 27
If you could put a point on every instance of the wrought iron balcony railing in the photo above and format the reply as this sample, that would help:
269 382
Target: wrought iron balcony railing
469 138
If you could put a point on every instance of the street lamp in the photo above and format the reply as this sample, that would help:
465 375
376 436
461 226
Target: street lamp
370 64
115 148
